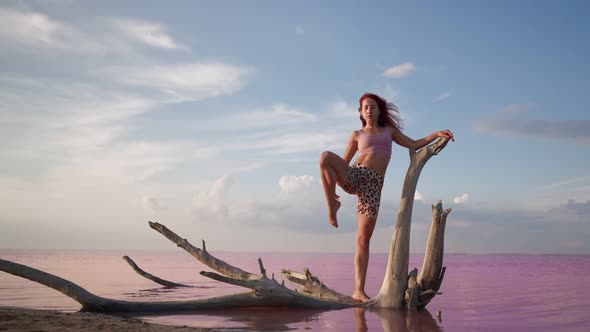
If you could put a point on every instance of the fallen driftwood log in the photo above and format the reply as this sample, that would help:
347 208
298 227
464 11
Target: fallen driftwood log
399 289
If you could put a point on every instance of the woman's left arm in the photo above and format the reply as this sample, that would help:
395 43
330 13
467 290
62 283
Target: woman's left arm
407 142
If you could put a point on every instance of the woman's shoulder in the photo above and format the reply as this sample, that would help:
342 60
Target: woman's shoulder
392 129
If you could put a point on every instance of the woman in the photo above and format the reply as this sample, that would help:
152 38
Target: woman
381 126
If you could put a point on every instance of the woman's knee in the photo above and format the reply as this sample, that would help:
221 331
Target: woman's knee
325 158
363 241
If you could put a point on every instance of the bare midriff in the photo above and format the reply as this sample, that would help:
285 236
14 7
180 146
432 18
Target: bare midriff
375 161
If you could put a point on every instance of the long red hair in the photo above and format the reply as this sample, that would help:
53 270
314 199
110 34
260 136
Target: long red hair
388 112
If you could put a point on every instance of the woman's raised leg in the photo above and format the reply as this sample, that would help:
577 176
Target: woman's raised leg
333 170
366 226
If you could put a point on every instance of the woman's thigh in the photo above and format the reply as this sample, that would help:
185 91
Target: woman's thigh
339 166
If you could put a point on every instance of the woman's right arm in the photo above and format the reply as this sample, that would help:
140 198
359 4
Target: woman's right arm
407 142
351 148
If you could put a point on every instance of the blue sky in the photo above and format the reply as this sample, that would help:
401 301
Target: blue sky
210 116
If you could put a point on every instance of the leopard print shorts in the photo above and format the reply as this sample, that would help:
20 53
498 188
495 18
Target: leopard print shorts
366 184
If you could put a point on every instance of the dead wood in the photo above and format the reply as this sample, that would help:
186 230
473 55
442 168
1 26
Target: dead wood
150 276
265 297
412 291
395 282
202 255
433 271
265 292
312 286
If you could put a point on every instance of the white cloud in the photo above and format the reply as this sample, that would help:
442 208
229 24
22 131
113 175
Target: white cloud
94 35
572 211
443 96
291 183
462 199
575 188
515 120
418 196
67 117
212 204
400 71
296 206
137 161
279 114
279 130
341 108
150 33
29 27
38 30
266 142
302 209
261 123
183 82
300 142
389 93
104 183
82 131
568 182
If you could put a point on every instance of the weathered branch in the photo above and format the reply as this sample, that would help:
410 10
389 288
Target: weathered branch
395 281
313 286
228 280
412 291
61 285
261 287
432 271
262 269
261 284
294 276
150 276
203 256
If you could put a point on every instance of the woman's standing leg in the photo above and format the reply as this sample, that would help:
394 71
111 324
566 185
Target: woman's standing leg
333 170
366 225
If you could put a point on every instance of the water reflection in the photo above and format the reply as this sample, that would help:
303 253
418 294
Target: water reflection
286 319
252 319
162 291
398 320
273 319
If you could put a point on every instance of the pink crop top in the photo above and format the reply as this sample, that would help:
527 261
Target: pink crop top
375 143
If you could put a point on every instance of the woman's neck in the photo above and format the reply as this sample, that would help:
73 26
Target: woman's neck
372 126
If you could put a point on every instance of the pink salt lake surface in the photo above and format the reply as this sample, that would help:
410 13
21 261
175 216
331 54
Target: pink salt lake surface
480 292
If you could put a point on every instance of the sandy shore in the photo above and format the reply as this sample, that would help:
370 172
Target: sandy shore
18 319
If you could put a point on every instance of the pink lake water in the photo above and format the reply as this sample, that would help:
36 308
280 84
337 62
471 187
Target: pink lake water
480 292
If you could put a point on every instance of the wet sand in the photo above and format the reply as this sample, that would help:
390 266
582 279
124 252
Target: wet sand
19 319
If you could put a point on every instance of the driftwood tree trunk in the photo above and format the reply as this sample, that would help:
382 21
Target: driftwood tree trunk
398 290
395 283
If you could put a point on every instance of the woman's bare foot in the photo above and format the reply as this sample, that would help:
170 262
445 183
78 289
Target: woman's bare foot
333 219
361 296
